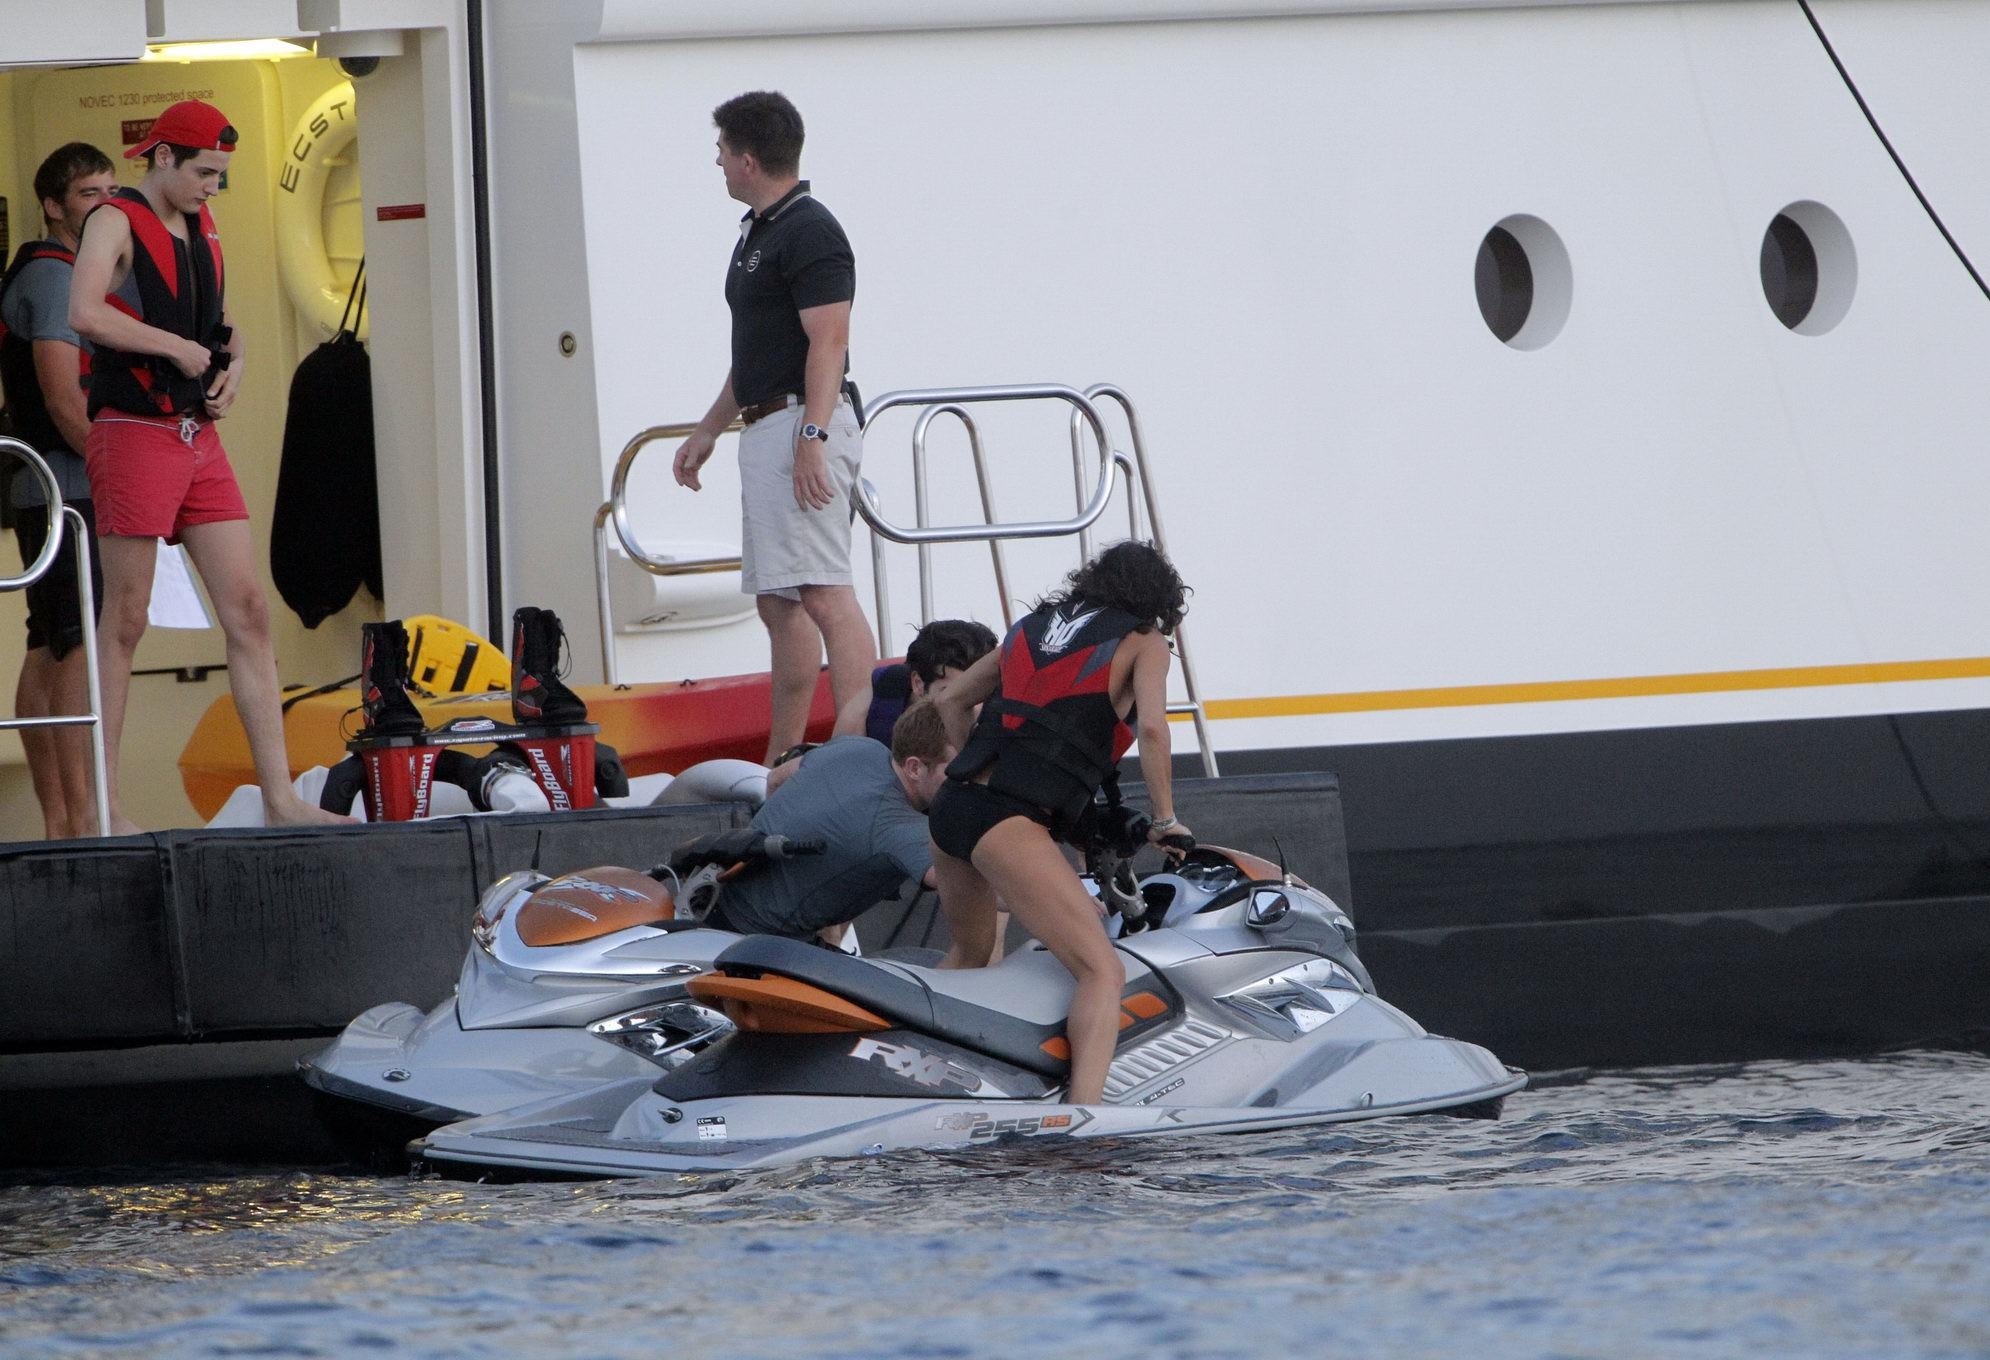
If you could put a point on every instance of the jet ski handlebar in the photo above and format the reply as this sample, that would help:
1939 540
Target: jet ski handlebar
728 849
1117 833
1122 831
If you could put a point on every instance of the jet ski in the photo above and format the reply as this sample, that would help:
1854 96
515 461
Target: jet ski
1245 1008
570 983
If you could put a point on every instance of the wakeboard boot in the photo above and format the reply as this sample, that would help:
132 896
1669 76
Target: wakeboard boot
538 697
384 680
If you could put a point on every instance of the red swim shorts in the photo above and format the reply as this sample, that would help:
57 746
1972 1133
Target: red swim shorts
152 477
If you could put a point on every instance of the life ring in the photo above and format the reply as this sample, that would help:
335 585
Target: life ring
327 128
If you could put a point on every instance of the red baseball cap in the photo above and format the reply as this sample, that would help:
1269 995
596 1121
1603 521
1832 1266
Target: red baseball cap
188 123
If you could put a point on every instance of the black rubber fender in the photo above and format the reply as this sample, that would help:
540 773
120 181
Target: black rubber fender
345 782
610 779
347 779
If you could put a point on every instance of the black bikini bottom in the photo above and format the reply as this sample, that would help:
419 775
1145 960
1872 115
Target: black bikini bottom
963 813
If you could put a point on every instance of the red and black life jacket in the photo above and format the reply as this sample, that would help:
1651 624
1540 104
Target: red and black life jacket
25 401
1050 730
179 290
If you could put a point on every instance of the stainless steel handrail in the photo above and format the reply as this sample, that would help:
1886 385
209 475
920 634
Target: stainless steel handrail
51 492
1112 461
867 503
880 577
615 510
923 510
967 533
65 525
1140 476
1078 487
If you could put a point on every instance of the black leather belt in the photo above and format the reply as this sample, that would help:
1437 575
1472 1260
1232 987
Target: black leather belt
760 410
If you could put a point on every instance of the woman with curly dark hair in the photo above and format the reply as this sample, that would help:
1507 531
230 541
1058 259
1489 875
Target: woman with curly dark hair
1060 693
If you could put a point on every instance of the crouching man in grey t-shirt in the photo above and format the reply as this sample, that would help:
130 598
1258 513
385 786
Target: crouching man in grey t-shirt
868 805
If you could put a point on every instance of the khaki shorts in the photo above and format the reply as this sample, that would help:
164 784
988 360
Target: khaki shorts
782 546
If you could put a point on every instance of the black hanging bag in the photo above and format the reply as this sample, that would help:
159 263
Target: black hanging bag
325 534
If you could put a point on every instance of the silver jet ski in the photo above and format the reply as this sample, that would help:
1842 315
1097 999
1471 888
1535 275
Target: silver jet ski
570 982
1245 1008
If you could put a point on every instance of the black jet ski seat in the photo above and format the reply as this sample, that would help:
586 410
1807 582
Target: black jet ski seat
898 994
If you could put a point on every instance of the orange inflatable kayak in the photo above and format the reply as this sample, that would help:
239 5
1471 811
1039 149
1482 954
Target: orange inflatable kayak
657 728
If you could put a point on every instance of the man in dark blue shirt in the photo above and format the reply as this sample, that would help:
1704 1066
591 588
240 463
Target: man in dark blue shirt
942 648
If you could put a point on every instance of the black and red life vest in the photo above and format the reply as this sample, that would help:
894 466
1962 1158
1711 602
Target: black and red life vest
1050 730
179 290
25 401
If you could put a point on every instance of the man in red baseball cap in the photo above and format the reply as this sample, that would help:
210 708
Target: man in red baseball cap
167 364
191 125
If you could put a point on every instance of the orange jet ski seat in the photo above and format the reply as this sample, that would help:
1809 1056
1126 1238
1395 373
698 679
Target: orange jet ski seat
898 994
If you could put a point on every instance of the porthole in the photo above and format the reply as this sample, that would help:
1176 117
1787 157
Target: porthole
1809 269
1506 284
1523 281
1789 271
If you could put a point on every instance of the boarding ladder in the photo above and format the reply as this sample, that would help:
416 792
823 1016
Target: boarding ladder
1090 505
65 526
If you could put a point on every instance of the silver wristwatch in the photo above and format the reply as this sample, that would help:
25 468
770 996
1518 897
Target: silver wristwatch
811 430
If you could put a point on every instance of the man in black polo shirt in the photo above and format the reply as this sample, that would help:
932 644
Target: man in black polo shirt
790 284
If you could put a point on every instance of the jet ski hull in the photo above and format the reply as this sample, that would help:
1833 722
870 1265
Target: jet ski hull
427 1067
629 1129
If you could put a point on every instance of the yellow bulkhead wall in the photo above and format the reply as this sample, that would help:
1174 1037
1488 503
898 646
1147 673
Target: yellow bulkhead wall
265 100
